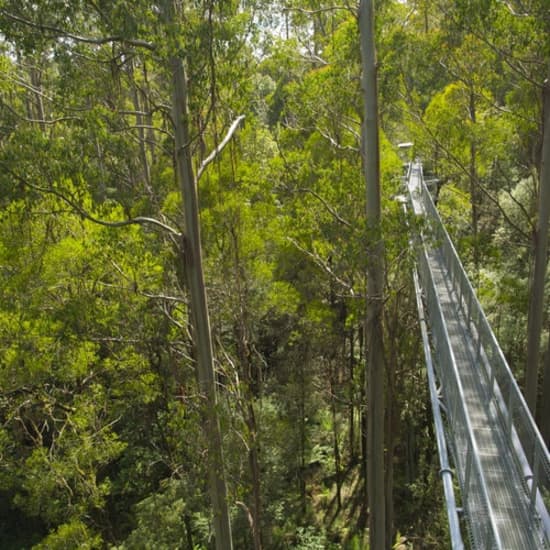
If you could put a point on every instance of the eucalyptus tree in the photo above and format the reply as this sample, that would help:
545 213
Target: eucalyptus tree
375 284
495 61
518 38
109 37
192 260
536 303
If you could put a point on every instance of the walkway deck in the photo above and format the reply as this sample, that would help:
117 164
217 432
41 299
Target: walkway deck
501 511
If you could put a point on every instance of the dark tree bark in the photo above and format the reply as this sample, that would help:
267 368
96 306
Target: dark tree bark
536 301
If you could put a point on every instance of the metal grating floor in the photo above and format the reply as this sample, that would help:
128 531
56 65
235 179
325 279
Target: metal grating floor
509 502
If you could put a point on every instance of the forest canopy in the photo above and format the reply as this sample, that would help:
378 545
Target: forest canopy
119 425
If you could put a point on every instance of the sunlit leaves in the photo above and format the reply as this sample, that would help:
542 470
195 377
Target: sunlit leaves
70 300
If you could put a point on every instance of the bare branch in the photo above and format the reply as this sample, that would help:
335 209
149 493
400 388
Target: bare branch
337 145
323 265
326 205
46 122
221 146
147 127
353 132
139 220
21 82
512 10
164 297
314 58
320 10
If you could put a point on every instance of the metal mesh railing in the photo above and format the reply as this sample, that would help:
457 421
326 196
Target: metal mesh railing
475 496
527 450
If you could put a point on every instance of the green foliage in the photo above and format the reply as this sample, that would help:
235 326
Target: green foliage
307 538
165 522
100 433
70 535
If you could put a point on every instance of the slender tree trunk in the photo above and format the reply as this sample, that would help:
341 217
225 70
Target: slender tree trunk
254 464
199 308
363 516
140 123
426 21
351 395
545 406
151 139
188 530
392 411
375 282
302 432
36 81
335 442
536 300
474 192
250 391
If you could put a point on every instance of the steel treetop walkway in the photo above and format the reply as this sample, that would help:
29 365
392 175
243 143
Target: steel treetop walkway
500 461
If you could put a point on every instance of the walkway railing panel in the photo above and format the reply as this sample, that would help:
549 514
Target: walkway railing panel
529 453
474 489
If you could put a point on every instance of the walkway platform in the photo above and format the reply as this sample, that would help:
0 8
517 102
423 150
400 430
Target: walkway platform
504 505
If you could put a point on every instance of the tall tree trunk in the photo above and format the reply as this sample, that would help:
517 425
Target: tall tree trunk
36 81
251 390
335 434
375 282
363 516
393 334
302 430
191 247
148 108
545 406
254 463
536 301
474 191
139 109
351 395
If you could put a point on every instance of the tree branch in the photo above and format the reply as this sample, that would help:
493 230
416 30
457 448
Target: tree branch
221 146
139 220
83 39
326 205
320 10
335 144
323 265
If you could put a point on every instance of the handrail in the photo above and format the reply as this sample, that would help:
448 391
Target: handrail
472 481
475 492
531 455
445 471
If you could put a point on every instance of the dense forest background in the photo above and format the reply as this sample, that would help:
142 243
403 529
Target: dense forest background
102 417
